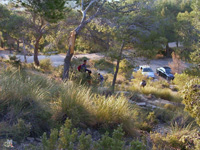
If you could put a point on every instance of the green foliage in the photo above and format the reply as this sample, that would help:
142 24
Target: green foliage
193 71
103 64
69 139
46 64
13 60
17 131
164 115
112 143
191 98
104 143
84 142
95 38
137 145
68 136
125 67
21 130
151 118
180 79
52 11
52 144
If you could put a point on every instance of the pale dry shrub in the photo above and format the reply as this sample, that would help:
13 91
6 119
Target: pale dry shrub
177 66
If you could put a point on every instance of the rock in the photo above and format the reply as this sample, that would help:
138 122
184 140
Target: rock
152 106
141 104
38 139
132 102
30 139
122 92
89 131
96 135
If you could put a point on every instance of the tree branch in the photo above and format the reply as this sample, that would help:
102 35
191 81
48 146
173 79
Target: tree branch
82 3
89 5
97 13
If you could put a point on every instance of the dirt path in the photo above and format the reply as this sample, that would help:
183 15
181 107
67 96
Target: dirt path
59 59
56 59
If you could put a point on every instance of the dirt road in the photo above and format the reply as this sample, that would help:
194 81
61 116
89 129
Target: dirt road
59 59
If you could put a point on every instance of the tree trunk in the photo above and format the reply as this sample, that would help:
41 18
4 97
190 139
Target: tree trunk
168 53
82 24
24 50
177 44
117 67
10 49
69 55
36 61
2 44
17 45
67 63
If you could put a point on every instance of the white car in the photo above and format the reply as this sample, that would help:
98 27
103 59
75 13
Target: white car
146 70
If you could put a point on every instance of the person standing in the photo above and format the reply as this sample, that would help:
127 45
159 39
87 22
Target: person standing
101 79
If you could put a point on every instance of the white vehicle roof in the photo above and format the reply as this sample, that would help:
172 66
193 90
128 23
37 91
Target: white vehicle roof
145 66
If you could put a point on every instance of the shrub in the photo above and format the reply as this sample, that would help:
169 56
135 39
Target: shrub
84 142
138 76
177 65
17 131
24 96
103 64
137 145
191 98
170 107
13 60
69 139
148 122
164 115
178 138
180 80
193 71
46 64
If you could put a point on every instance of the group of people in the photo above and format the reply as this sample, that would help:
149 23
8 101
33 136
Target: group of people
83 68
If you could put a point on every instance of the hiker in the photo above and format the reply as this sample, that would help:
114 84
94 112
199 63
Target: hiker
89 77
101 79
143 83
83 67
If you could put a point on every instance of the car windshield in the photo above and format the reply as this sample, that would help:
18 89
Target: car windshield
147 70
168 70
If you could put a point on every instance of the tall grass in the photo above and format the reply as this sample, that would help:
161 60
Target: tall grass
163 93
39 101
178 138
78 103
159 89
24 96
